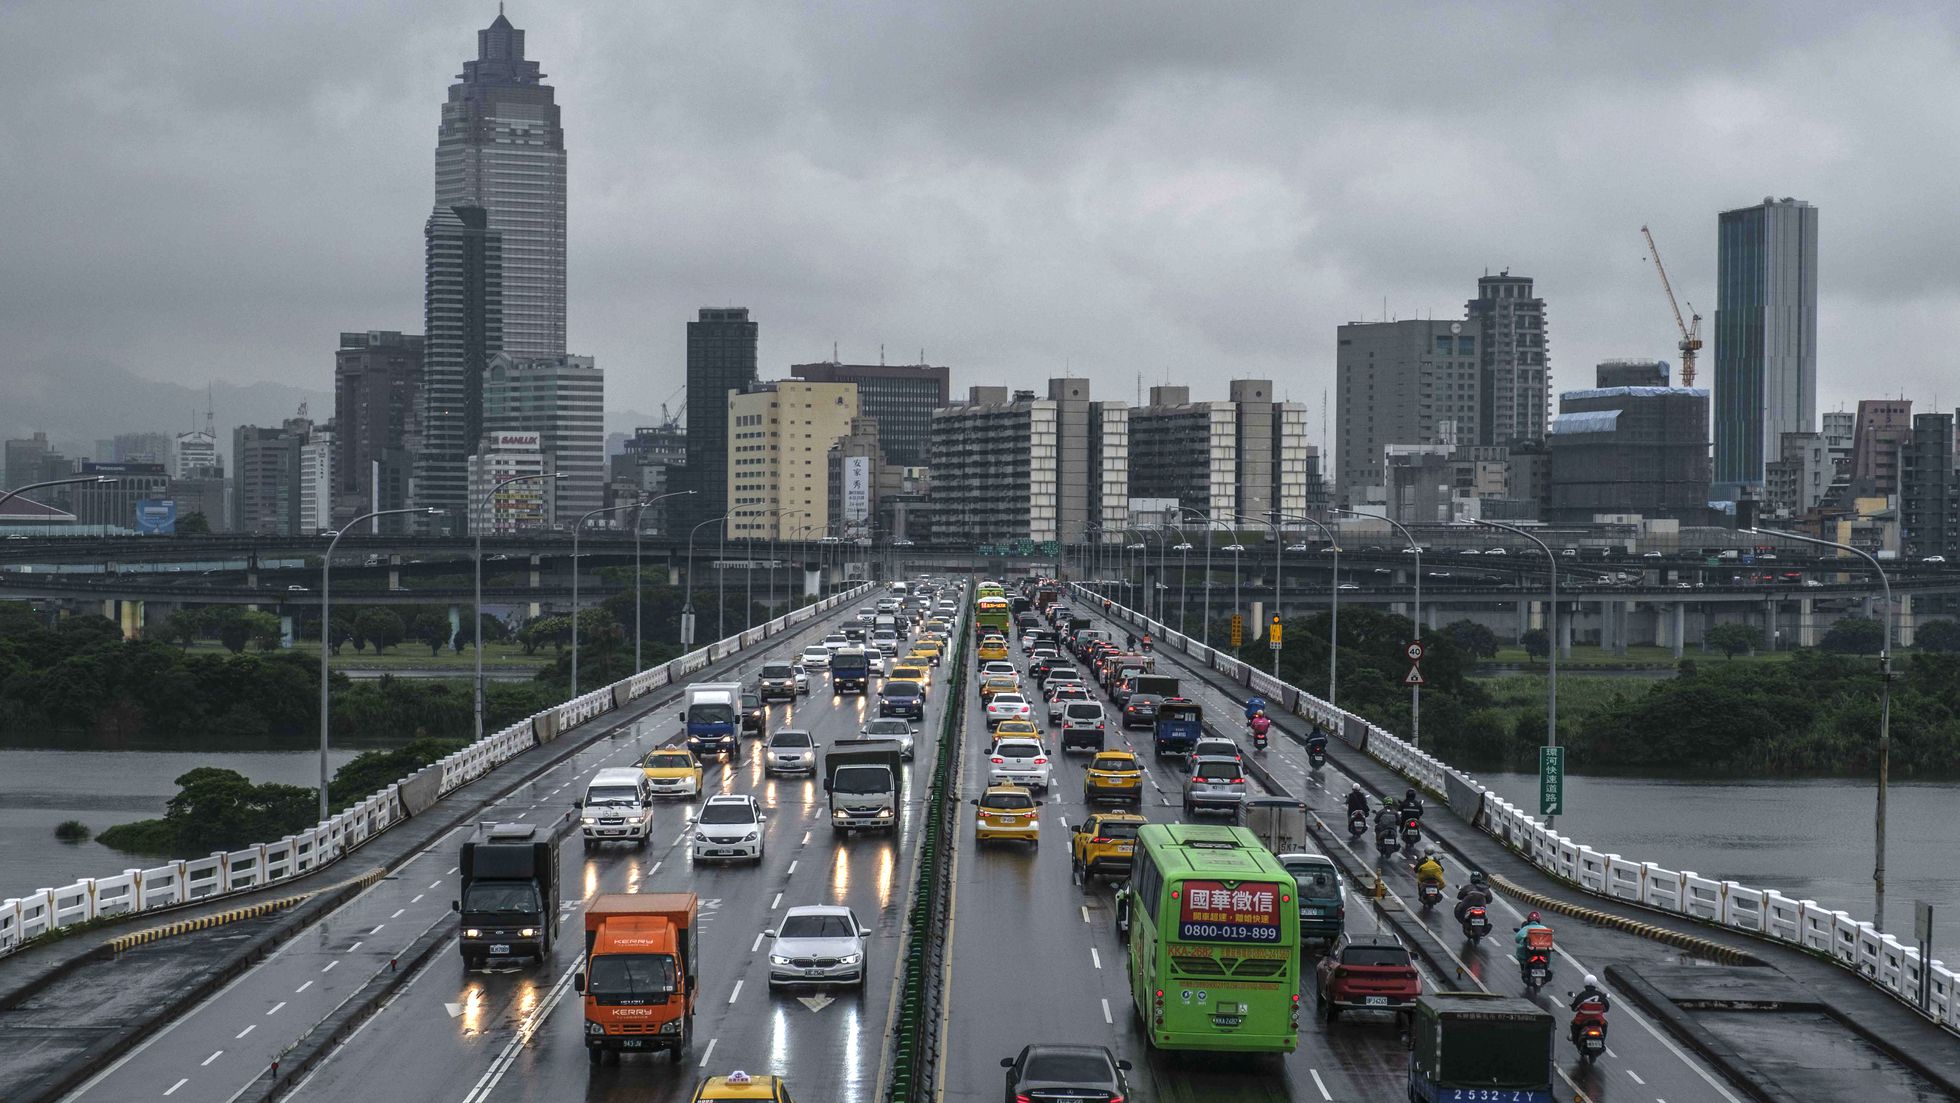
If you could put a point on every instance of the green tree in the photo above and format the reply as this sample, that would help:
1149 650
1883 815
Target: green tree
1536 643
1937 635
194 523
1472 637
380 627
182 628
1854 636
1734 638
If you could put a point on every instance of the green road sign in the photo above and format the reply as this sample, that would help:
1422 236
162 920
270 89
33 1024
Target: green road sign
1551 781
1051 547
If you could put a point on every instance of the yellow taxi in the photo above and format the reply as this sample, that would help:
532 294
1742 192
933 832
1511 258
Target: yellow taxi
911 671
998 683
930 648
1016 726
672 771
993 647
1115 776
742 1086
1106 842
1007 812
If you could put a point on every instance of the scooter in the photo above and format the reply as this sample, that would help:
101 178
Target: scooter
1357 824
1259 740
1411 832
1385 842
1430 894
1535 970
1476 923
1589 1036
1316 755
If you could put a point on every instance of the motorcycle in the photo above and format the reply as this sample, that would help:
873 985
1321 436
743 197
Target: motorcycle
1589 1036
1316 755
1476 922
1258 740
1385 842
1411 832
1535 970
1357 824
1430 894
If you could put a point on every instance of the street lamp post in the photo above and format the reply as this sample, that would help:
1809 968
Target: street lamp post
781 514
1183 549
638 575
1884 714
98 480
687 602
1204 628
1333 605
1551 635
1279 542
478 524
326 629
1415 691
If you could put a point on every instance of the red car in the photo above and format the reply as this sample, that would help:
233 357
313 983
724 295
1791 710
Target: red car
1366 974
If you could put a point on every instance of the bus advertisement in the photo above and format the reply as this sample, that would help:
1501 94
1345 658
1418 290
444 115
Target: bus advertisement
992 613
1214 942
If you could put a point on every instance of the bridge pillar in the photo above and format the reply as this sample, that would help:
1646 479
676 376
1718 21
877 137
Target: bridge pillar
1537 616
1623 614
1524 621
1565 633
1905 622
1680 628
455 625
1769 624
394 572
537 582
1806 622
673 572
112 609
286 630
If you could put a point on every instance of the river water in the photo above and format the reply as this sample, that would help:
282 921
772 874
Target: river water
1808 838
103 783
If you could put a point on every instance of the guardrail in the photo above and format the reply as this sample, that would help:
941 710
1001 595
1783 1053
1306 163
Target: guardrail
220 874
1854 944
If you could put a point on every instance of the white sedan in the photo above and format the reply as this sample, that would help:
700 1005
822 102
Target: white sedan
1008 706
1020 761
816 658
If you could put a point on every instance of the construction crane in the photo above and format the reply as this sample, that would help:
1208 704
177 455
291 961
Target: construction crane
1690 342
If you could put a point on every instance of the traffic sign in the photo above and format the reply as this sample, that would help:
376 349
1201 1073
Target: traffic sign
1414 651
1414 678
1273 633
1238 630
1551 781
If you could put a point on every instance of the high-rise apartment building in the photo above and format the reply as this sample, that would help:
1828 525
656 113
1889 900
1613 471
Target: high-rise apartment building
1403 382
720 359
779 441
500 148
316 482
1765 336
901 397
518 507
1621 450
377 387
1247 455
1796 482
1514 381
1020 467
24 457
1884 429
197 454
563 400
265 464
1929 495
463 328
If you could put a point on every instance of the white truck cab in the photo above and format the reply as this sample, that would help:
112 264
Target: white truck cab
618 807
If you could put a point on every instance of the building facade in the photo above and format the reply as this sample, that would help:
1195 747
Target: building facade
463 328
519 507
901 397
1929 496
1765 336
500 148
265 464
115 504
1405 382
779 442
197 454
1883 431
1017 467
1798 480
1247 455
1629 450
377 385
1513 375
720 361
563 400
25 461
316 482
146 448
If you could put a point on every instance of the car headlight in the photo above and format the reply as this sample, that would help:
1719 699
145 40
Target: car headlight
591 819
595 1028
749 838
775 959
850 959
884 813
472 932
528 932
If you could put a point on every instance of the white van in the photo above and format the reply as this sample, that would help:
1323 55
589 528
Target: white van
618 806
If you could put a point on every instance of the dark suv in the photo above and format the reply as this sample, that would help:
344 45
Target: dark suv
1367 974
1086 1074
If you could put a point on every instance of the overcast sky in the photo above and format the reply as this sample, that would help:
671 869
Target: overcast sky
1199 191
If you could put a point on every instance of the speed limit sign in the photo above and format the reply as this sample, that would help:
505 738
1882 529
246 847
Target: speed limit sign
1415 651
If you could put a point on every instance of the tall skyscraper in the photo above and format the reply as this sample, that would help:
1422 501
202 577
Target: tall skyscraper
265 463
1406 383
377 391
1765 337
1514 384
500 147
720 359
562 400
901 397
464 327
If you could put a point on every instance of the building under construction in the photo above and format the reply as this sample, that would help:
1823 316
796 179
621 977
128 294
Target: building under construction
1632 445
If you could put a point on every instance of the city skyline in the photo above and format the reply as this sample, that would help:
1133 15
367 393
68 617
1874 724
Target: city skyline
1226 233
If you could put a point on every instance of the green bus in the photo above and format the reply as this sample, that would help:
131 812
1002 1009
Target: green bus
992 613
990 589
1214 941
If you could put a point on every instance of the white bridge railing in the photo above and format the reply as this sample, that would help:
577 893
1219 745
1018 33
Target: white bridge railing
1804 924
224 873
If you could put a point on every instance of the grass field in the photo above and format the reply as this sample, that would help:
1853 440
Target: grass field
496 656
1636 658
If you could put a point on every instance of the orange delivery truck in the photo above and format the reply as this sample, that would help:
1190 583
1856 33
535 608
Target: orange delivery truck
640 974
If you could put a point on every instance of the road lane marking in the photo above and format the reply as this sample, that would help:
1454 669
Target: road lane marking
526 1029
398 913
777 902
736 992
1323 1087
757 944
355 946
708 1052
1636 1078
302 988
1085 913
791 872
214 1056
245 1031
377 928
655 868
452 869
806 838
330 965
280 1004
435 884
1095 956
1106 1015
172 1089
416 899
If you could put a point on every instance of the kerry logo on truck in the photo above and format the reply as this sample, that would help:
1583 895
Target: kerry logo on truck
1230 911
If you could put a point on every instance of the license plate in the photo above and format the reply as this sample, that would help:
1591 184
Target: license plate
1311 911
724 852
1377 1001
1228 1020
1005 821
1126 848
813 972
500 949
632 1043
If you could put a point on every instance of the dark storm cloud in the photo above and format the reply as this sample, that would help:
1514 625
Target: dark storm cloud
1113 189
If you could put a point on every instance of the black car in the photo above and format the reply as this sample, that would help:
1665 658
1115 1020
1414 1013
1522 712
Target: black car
901 697
755 714
1091 1074
1140 710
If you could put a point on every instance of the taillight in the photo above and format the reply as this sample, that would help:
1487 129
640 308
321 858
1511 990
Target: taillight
1041 762
1238 781
998 760
1100 840
1021 1098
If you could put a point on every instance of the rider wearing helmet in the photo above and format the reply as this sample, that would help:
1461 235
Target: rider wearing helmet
1260 723
1411 806
1530 921
1357 801
1429 871
1476 894
1589 1006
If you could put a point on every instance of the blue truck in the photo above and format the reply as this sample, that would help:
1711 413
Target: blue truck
1178 725
712 718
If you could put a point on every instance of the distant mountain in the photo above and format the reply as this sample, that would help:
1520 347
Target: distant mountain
79 402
